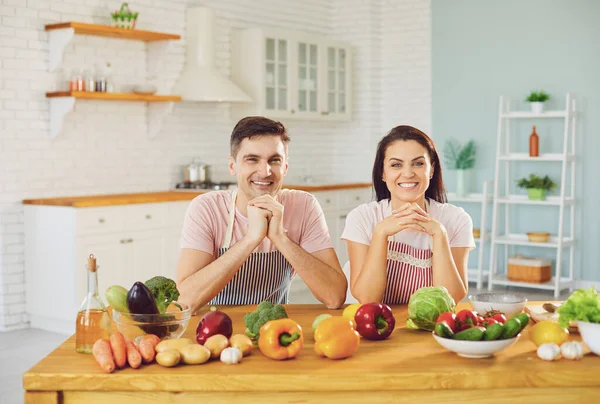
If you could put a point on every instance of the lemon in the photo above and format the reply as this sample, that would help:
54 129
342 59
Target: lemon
350 312
547 332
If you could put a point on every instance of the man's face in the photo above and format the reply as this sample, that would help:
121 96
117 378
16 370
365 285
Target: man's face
260 165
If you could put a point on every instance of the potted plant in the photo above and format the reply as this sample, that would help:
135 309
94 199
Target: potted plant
124 17
462 159
537 187
537 100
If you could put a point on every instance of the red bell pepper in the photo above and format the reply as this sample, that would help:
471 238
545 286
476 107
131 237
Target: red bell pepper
375 321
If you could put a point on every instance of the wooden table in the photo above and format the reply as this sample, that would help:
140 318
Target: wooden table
408 367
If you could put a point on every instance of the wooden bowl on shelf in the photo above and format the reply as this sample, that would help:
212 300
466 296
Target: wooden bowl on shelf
476 233
538 236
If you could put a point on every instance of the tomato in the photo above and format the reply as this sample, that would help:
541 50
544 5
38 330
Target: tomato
496 315
449 318
480 320
489 321
466 319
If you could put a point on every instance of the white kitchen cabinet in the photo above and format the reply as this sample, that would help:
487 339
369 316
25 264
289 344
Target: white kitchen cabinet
292 75
131 243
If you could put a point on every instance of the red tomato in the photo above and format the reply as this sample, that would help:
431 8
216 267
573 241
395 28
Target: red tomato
449 318
497 315
488 321
480 320
466 319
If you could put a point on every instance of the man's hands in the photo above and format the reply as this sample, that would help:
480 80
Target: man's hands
410 216
258 223
272 211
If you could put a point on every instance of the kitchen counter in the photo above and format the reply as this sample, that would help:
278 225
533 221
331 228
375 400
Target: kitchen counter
407 367
165 196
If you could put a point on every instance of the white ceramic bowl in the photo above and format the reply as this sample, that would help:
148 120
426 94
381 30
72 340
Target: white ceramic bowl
508 303
475 349
590 334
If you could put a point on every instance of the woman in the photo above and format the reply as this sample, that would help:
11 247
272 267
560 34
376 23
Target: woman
410 237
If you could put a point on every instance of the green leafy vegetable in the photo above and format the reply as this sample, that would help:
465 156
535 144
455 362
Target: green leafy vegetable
426 304
583 304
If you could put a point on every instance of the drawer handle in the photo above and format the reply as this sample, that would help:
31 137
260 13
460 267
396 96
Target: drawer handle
130 240
148 217
343 216
358 198
123 241
126 241
327 200
101 220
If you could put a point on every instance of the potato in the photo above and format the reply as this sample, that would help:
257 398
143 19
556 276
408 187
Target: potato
216 344
168 358
175 344
194 354
242 342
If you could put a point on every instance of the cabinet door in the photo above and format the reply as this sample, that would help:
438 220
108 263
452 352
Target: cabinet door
148 255
112 259
338 82
306 79
277 77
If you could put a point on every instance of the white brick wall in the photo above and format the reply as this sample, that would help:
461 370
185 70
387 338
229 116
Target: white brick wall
104 147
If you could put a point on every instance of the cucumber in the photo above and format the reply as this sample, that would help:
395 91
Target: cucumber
443 330
511 328
116 296
524 319
493 332
470 334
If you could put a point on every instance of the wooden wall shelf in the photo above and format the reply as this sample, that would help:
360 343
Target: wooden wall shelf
89 95
113 32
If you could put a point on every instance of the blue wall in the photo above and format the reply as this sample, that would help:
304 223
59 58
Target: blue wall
484 49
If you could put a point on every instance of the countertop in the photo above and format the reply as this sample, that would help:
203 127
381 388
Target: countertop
164 196
409 366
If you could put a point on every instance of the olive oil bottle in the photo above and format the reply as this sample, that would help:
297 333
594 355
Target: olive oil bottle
93 321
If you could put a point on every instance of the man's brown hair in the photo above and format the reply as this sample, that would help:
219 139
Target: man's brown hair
256 126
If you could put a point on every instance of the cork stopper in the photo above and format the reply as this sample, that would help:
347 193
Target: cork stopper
91 263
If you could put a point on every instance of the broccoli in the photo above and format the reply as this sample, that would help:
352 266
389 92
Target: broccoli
164 291
266 311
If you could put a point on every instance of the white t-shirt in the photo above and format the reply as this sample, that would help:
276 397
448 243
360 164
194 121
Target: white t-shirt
362 220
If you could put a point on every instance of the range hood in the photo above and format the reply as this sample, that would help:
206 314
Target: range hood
200 80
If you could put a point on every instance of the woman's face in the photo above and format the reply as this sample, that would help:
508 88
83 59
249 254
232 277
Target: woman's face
407 170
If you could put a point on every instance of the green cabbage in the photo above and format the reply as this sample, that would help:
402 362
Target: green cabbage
426 304
583 304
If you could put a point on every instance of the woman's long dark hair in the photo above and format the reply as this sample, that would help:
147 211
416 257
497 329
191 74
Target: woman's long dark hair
436 190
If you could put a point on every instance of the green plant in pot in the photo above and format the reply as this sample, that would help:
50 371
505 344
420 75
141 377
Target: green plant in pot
537 100
537 187
461 158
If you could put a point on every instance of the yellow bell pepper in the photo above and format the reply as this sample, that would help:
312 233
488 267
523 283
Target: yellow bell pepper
336 338
350 312
280 339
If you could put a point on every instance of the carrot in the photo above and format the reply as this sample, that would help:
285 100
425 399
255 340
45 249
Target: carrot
147 347
119 349
103 355
133 355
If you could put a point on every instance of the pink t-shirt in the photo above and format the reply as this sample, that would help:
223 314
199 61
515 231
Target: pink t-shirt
207 217
362 220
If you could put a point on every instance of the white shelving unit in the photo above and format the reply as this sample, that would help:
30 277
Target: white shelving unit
484 199
504 156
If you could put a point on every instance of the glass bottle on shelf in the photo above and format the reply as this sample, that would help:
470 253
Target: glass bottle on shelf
93 321
534 144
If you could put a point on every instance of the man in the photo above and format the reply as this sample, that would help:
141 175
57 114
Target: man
244 246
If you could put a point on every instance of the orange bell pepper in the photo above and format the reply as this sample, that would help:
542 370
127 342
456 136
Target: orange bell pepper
280 339
336 338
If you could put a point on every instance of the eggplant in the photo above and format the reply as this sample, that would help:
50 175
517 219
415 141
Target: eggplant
140 300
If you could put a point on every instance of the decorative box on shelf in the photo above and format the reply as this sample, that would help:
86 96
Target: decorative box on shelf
529 269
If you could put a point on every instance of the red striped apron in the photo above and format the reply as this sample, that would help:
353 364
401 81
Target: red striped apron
408 269
264 276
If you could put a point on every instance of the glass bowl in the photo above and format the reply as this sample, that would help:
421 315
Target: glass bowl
508 303
475 349
171 324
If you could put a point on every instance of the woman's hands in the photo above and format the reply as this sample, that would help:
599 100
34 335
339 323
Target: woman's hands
410 216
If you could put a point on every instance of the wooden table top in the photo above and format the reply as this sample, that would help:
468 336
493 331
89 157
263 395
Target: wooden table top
164 196
408 360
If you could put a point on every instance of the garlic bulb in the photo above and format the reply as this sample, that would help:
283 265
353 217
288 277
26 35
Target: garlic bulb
548 352
572 350
231 356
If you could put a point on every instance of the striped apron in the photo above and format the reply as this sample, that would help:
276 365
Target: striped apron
264 276
408 269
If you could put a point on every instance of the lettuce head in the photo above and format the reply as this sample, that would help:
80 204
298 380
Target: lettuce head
583 305
426 304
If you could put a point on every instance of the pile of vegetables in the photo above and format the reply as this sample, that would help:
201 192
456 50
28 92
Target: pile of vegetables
425 306
468 325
